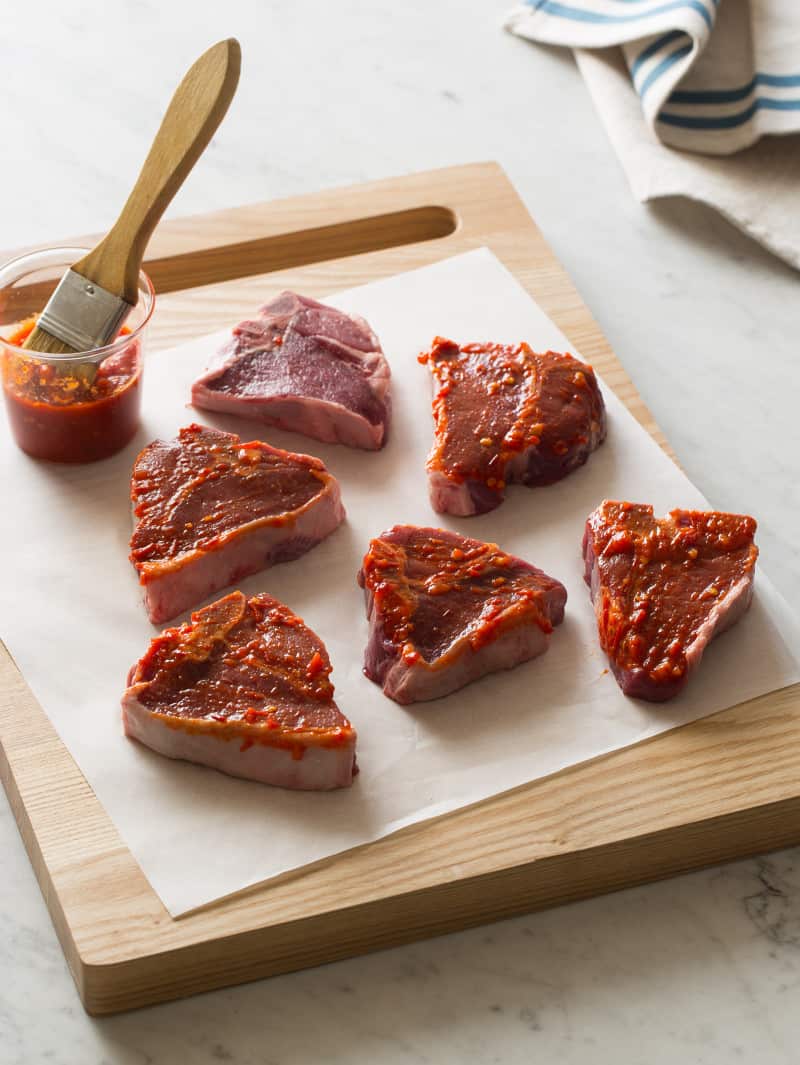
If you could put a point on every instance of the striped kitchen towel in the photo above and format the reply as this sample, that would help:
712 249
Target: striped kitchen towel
707 77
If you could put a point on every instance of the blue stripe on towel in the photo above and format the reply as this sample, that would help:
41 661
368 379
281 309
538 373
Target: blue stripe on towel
731 96
652 48
664 66
577 14
727 121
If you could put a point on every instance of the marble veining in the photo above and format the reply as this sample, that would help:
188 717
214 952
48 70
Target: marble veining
701 969
774 907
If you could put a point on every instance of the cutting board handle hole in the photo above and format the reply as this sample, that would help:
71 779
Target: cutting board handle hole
264 255
283 251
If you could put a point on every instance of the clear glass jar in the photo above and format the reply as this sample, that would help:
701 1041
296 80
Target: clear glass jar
77 407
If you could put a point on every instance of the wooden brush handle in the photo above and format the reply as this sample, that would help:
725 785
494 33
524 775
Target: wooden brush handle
195 111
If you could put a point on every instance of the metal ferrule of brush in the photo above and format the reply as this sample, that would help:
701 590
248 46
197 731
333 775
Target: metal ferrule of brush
82 313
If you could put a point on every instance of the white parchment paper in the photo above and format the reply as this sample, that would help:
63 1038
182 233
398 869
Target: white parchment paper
73 620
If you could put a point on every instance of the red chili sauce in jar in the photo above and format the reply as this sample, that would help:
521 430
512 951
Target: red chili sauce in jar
65 417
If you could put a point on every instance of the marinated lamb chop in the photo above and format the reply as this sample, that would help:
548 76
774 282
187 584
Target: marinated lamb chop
210 510
445 609
244 688
504 414
663 588
302 366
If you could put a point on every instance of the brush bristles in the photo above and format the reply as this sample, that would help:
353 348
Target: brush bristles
41 340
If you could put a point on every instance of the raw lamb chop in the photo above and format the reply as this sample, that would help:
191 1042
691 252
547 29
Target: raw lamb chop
243 687
444 610
506 414
305 367
663 588
211 510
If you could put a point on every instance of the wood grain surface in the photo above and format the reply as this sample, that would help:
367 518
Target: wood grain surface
720 788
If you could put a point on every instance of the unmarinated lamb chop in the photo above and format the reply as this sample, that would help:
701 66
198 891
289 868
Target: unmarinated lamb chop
211 510
244 688
663 588
305 367
444 610
503 414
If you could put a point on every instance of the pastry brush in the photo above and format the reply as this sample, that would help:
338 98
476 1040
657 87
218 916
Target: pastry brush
95 296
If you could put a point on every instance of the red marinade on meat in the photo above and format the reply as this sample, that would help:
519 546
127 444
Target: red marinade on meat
663 588
503 414
243 687
211 509
445 609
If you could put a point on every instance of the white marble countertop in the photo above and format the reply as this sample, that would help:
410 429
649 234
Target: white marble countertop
699 969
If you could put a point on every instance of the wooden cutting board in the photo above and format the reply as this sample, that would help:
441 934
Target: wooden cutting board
721 788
